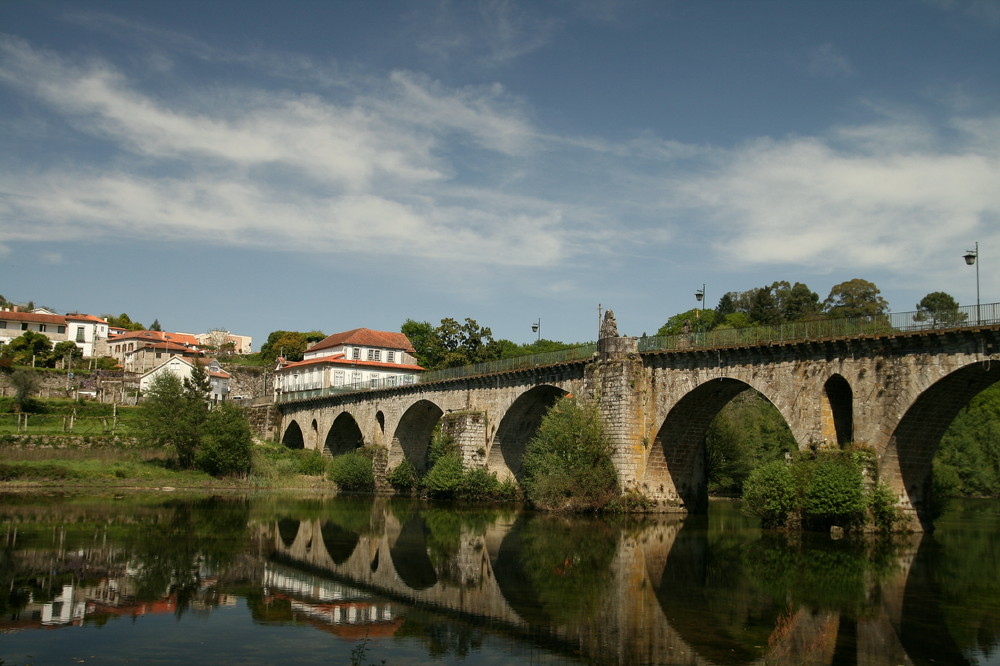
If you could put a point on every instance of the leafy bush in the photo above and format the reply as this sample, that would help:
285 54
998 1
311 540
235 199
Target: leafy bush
567 465
403 476
770 493
479 484
353 471
833 494
226 442
310 463
445 478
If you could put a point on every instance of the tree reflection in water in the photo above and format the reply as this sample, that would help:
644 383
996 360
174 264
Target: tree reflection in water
458 581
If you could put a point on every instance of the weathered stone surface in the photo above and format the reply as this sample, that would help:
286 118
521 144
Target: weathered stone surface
896 394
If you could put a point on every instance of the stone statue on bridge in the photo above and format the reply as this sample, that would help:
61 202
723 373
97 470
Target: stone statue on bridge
609 327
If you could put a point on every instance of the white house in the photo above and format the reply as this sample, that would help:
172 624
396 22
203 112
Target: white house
183 367
13 324
355 359
87 331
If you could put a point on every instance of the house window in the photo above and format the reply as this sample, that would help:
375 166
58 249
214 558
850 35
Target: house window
374 354
390 356
338 378
390 380
41 328
60 329
24 326
356 353
80 334
3 324
356 378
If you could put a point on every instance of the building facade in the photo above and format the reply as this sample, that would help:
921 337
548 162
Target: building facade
353 360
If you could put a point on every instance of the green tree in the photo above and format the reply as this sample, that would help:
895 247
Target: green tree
855 298
698 320
796 302
451 344
66 349
123 321
226 442
940 309
567 464
289 344
30 347
155 326
24 382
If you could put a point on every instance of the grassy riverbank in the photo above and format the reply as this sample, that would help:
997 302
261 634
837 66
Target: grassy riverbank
127 467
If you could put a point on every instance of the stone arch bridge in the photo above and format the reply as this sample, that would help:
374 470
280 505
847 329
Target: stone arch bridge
896 393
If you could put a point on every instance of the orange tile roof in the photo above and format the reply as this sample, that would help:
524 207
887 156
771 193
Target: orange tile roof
31 316
76 316
366 337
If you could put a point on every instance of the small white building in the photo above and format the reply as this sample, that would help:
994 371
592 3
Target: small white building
87 331
357 359
182 367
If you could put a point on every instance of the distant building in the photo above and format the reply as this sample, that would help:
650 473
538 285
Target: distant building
141 351
223 341
183 367
87 331
13 324
355 359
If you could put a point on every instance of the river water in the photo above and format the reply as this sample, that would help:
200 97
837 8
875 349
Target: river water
163 578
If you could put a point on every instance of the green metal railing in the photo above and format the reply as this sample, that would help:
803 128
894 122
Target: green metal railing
516 363
822 329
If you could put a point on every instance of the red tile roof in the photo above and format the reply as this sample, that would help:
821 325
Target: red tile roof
76 316
31 316
366 337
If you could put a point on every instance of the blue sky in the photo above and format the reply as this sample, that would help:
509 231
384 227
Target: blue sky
330 165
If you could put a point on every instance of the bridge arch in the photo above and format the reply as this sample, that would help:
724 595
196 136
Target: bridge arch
519 424
675 466
344 436
906 462
292 438
413 433
838 411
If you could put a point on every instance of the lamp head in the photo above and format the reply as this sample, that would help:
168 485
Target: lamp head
970 257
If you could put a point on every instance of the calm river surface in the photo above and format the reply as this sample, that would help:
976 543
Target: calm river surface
261 580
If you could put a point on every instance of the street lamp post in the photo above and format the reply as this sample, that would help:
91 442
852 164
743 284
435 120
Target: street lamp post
537 328
972 259
700 295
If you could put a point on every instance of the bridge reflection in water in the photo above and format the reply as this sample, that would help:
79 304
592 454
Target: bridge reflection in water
650 591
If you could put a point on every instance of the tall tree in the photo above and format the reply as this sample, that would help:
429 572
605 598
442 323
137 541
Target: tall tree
290 344
940 309
155 326
855 298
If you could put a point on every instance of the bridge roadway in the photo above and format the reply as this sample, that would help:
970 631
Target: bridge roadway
896 393
645 595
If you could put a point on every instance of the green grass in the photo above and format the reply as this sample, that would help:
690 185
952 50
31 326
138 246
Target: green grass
115 467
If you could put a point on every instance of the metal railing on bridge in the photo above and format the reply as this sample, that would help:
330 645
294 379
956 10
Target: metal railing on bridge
823 329
820 329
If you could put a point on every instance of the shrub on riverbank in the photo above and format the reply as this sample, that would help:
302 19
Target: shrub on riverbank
819 490
353 471
567 465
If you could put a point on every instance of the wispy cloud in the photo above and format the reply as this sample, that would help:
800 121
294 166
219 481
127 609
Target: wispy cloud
825 60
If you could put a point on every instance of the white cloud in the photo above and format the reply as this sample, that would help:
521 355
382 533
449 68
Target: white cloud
804 201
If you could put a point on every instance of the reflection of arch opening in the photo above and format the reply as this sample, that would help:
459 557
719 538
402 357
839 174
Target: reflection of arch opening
518 426
677 458
918 434
838 411
344 435
409 555
340 543
694 577
414 431
288 529
293 437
